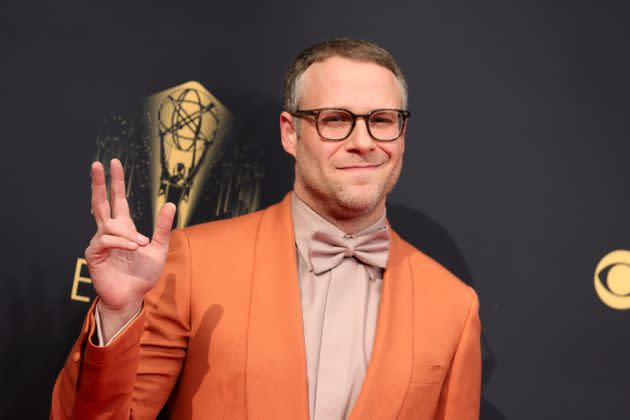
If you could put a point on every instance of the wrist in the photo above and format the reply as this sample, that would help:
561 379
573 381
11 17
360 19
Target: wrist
112 320
127 311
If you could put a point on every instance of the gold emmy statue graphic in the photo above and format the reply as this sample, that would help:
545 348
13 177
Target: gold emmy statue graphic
188 127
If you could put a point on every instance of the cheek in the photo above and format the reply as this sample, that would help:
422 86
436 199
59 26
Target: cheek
309 158
393 151
323 154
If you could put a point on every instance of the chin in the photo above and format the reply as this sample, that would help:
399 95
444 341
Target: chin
357 202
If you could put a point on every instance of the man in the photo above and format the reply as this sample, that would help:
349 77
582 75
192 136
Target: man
312 308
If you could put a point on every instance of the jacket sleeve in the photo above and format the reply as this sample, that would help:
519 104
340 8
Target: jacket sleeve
461 393
134 375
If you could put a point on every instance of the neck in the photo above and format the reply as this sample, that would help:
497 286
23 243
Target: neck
346 220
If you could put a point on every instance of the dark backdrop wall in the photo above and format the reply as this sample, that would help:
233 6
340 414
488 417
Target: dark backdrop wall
516 178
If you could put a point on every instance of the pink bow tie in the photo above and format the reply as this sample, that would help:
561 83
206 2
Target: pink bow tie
328 250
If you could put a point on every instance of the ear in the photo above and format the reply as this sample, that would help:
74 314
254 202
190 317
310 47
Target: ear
402 147
404 135
288 133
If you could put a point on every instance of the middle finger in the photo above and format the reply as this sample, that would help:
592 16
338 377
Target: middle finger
118 198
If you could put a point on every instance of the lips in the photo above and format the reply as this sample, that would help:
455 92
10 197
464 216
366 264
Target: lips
359 167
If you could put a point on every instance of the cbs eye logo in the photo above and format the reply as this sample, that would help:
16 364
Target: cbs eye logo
612 279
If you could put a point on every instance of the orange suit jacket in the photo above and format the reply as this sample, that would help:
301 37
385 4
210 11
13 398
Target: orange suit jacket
221 336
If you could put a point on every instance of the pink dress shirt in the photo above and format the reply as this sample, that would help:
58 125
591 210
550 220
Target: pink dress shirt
339 311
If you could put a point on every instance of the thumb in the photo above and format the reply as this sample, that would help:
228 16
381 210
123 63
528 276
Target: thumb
164 223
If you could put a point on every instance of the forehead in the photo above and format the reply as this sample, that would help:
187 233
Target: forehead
356 85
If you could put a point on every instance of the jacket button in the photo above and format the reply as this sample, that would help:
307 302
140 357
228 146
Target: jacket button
76 356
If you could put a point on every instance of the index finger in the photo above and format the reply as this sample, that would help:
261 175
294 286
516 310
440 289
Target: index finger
100 204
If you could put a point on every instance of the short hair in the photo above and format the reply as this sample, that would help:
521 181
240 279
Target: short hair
353 49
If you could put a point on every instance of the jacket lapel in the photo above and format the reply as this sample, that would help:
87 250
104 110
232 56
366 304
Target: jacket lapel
276 361
389 371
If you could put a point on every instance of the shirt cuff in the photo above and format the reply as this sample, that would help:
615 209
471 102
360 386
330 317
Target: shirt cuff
99 328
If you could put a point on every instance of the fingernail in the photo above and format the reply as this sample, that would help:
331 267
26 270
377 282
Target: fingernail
141 239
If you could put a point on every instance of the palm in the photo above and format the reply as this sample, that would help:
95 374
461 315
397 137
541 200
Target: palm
122 275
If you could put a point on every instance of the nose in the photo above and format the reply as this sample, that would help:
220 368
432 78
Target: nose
360 140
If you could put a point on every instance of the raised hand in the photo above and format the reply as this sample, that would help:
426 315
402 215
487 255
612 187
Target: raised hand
124 264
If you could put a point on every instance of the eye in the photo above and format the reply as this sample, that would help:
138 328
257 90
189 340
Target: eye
384 118
335 117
